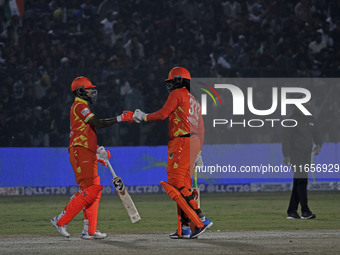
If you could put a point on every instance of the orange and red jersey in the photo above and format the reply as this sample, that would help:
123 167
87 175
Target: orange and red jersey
184 113
82 133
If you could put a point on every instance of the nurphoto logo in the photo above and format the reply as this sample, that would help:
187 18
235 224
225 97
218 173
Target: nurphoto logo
279 99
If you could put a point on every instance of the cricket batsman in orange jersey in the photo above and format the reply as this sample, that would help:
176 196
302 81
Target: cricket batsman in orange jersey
186 134
84 156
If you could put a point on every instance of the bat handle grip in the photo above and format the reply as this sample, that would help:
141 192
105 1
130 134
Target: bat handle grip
111 169
195 178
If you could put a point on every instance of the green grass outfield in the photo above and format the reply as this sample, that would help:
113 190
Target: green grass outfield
229 212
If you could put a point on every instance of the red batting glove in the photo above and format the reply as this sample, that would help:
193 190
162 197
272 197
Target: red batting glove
108 154
102 162
101 158
195 194
126 116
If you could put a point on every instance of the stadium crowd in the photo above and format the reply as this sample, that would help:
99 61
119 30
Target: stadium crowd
127 48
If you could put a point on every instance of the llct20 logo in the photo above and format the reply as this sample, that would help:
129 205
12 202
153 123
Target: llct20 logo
239 105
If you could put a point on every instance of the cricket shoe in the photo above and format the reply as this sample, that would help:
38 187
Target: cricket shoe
198 231
61 229
85 234
186 234
293 215
308 215
96 235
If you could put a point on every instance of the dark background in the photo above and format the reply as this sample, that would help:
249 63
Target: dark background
126 48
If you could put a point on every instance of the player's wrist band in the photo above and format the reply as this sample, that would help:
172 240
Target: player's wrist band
119 118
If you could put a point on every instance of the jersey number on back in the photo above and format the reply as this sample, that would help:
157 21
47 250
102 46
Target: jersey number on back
195 108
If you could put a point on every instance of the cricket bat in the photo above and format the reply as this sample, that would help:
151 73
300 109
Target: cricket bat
196 194
195 189
124 196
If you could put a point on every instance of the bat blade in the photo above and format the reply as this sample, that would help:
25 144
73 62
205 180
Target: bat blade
126 199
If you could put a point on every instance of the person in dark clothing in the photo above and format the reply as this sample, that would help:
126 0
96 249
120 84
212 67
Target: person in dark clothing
297 147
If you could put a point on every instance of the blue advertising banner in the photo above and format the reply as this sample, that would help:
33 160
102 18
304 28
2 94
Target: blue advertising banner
51 166
143 166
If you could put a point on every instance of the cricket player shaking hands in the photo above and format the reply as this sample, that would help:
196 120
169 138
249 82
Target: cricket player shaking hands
186 134
84 155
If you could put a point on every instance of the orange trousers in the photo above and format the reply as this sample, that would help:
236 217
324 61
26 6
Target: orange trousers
182 153
85 166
